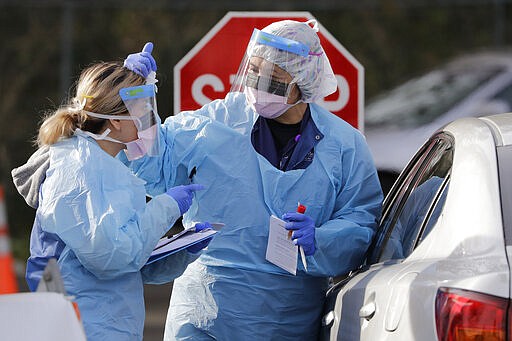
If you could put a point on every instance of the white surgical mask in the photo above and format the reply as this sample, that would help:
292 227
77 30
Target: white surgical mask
139 147
266 104
134 149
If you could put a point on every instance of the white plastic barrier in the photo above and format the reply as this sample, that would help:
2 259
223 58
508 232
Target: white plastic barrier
42 316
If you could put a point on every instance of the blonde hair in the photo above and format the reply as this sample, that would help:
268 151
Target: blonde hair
97 90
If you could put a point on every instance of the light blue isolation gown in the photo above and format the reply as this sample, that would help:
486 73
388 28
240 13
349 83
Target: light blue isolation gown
231 292
93 218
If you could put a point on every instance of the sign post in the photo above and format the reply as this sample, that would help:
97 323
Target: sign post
206 72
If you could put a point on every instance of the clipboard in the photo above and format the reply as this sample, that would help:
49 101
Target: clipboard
167 246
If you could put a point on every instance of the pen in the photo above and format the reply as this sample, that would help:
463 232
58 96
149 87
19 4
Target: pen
302 209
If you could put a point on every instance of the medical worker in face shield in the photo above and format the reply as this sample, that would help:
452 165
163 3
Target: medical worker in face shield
262 149
91 213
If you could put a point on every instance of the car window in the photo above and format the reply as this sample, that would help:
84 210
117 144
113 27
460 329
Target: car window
416 201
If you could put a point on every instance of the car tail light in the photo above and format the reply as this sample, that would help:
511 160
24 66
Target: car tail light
470 316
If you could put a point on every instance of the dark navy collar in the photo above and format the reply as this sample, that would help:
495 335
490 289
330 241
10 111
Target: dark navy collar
297 154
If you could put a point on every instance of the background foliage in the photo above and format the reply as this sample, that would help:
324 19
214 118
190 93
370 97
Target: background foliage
45 44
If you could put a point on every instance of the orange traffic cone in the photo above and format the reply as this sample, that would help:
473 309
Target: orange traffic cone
8 283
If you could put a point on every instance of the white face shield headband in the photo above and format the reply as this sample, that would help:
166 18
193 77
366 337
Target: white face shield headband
141 104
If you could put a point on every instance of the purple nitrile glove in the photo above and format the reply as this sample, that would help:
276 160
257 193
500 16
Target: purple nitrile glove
204 243
183 195
303 228
142 63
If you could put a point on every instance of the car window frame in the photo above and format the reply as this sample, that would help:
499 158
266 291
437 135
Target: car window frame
504 157
401 191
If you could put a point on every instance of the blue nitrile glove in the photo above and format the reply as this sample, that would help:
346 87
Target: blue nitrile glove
142 63
303 228
204 243
183 195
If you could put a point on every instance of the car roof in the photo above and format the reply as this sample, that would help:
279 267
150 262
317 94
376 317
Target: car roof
482 58
500 125
436 91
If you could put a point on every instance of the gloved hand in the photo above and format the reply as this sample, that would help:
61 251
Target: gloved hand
204 243
303 228
142 63
183 195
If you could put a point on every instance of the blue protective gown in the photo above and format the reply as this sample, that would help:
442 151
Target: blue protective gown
232 292
92 216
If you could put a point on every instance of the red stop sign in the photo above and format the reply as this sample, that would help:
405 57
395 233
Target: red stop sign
205 73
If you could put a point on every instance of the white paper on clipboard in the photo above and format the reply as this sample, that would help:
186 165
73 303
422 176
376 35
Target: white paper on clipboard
280 248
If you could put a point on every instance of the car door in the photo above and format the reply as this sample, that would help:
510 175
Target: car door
371 304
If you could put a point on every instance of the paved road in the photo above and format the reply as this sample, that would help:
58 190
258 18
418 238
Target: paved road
157 302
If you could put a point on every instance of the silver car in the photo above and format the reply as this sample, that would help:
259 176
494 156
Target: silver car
439 266
399 121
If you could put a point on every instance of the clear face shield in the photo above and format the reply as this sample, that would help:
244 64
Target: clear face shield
141 104
261 75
